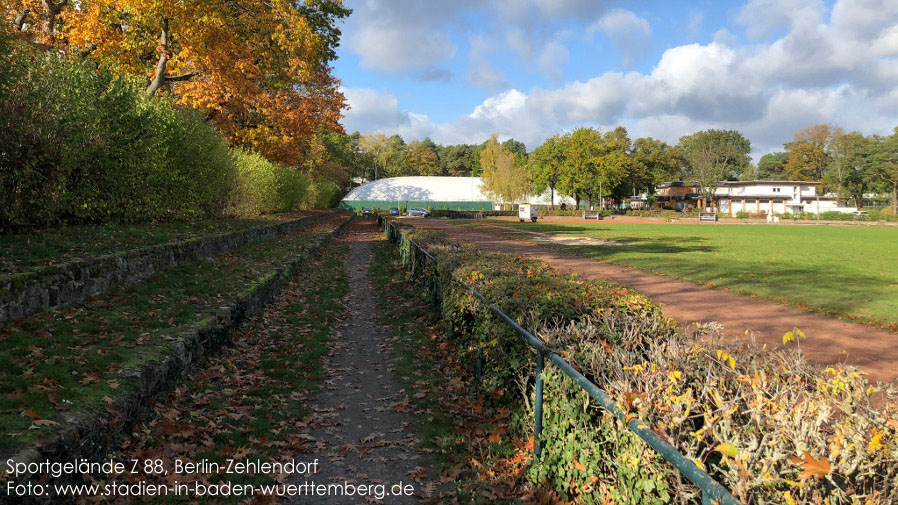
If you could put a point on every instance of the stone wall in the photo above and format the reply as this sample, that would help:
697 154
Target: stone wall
58 285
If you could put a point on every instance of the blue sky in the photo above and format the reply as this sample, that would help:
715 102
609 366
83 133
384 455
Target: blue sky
459 70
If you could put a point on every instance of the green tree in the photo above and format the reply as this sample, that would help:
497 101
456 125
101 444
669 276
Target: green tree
850 159
546 166
515 147
504 179
713 156
581 152
772 166
394 157
653 162
459 160
613 163
885 164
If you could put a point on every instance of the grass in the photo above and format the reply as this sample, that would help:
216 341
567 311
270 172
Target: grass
847 272
22 252
69 360
456 425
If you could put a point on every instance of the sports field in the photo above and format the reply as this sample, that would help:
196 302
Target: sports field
846 271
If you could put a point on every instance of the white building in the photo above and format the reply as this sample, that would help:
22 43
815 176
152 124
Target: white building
464 193
780 197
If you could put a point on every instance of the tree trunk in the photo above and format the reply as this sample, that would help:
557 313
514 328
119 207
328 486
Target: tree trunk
895 198
19 22
159 77
552 196
51 10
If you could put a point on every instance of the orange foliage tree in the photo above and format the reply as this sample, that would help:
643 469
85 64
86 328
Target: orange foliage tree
258 68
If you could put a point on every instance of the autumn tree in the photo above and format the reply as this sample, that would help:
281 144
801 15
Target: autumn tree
713 156
259 70
546 166
809 153
421 159
375 146
504 179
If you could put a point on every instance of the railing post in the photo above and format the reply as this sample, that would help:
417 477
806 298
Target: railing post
436 291
538 405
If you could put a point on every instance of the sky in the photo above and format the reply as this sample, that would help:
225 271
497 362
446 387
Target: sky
458 71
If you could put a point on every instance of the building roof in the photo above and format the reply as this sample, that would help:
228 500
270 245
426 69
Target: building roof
422 188
753 183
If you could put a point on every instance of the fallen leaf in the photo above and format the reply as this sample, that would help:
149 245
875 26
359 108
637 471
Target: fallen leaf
819 467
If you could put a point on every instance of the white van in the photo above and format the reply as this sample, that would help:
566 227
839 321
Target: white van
527 212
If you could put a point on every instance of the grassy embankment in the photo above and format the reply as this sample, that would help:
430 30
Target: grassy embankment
70 359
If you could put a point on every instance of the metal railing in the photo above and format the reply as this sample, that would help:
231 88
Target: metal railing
712 491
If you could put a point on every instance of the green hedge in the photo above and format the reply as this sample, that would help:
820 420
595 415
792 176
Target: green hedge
264 187
82 145
324 195
752 419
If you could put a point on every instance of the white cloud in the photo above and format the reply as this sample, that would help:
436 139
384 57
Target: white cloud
482 73
395 36
842 71
631 34
762 18
551 58
370 110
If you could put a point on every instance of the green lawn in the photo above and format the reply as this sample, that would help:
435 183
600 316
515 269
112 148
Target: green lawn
845 271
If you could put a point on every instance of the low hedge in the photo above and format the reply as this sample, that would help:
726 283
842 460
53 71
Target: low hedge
770 427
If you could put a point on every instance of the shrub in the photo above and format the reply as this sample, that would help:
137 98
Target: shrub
264 187
770 427
323 195
80 144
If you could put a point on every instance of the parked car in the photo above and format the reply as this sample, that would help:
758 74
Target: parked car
394 211
418 211
366 211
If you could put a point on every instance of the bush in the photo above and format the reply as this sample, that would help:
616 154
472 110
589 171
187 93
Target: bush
82 145
323 195
758 422
264 187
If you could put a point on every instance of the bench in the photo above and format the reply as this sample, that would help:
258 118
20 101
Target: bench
592 215
707 217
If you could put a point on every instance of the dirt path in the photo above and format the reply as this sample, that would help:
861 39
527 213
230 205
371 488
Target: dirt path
829 340
360 430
